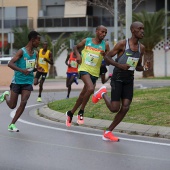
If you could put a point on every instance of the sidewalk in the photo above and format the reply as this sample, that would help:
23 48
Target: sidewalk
59 85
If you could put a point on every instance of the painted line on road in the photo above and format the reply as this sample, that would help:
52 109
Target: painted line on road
78 132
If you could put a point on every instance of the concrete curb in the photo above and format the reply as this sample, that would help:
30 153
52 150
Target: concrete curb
130 128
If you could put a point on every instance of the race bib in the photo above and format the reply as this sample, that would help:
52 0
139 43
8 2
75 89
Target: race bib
132 62
30 64
91 59
41 61
73 64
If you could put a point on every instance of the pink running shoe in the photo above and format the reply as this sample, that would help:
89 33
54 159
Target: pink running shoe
80 119
108 136
98 94
68 119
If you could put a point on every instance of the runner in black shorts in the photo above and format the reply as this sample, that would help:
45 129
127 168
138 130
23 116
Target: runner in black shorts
43 60
23 64
129 59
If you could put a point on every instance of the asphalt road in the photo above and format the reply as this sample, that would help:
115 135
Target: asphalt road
45 145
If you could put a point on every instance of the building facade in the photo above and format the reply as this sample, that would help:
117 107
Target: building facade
57 16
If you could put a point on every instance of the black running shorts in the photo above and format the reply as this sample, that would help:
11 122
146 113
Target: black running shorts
39 74
17 88
121 90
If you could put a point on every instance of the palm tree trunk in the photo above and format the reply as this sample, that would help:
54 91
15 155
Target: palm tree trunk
148 56
52 71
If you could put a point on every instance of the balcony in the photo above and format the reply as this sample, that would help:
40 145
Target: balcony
10 23
47 22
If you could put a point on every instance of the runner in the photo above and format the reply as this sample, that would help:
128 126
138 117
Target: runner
89 69
72 71
44 59
23 64
129 59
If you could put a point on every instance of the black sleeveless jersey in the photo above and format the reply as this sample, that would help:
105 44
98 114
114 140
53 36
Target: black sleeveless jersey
128 57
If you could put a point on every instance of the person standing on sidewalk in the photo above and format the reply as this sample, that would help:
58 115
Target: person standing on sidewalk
89 69
72 71
129 59
44 59
23 64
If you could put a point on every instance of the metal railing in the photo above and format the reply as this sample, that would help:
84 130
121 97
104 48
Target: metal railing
88 21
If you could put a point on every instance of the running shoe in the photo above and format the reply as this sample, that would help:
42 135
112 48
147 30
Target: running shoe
80 119
98 94
69 117
13 128
39 99
2 96
108 136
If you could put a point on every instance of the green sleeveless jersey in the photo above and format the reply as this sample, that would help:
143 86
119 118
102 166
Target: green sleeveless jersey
91 57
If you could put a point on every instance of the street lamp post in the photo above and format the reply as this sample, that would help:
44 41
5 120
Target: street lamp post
115 22
2 28
128 17
166 38
53 44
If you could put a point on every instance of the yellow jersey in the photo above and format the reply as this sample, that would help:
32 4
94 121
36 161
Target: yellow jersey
41 62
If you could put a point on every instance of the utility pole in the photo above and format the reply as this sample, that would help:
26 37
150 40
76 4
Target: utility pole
115 22
2 28
166 45
128 17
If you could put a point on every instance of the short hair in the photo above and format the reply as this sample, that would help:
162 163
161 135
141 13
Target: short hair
100 26
33 34
134 24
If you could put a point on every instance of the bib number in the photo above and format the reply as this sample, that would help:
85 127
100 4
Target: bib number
91 59
132 62
30 64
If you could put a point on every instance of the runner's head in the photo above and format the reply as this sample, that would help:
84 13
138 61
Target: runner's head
45 45
137 29
101 32
34 37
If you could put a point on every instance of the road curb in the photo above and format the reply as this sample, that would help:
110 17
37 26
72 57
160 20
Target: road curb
123 127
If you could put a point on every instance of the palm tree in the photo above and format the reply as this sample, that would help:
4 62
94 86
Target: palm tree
56 47
154 33
79 36
20 36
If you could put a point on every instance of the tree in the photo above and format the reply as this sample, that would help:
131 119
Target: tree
56 47
153 34
109 5
21 40
20 36
78 36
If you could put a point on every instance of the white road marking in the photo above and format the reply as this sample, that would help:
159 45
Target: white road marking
78 132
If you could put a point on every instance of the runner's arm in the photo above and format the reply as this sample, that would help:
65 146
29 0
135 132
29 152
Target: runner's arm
139 67
12 64
50 61
66 61
77 48
117 49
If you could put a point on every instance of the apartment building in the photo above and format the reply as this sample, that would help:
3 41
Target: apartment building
56 16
